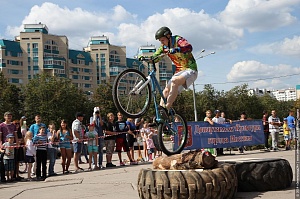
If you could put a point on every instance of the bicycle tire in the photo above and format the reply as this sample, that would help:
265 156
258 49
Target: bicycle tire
166 145
131 104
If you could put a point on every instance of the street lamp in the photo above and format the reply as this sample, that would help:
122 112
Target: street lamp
194 93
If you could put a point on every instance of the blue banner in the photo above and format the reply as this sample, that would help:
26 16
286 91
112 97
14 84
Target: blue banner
236 134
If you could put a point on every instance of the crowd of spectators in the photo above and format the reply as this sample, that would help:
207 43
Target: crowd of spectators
38 144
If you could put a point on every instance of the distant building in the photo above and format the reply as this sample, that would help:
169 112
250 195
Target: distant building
259 92
35 51
285 95
280 95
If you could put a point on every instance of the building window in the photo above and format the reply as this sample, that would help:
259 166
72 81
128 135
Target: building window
36 72
81 62
35 54
35 45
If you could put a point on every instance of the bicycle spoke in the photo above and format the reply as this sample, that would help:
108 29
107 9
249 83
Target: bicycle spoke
125 94
173 135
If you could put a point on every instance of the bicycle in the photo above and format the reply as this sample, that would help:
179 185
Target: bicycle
132 92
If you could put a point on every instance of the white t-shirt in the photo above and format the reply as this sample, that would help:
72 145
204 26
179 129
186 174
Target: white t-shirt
76 126
273 128
30 149
218 120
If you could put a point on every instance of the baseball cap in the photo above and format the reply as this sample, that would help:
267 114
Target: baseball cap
217 111
91 124
285 119
79 114
7 113
10 136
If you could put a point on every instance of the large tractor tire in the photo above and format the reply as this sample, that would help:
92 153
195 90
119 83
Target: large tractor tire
262 174
219 183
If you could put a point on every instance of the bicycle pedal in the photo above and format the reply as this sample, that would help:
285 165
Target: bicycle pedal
163 112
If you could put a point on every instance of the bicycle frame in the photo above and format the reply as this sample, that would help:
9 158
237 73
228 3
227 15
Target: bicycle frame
154 86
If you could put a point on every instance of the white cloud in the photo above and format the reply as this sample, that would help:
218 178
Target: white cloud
200 29
123 28
266 76
259 15
77 23
286 47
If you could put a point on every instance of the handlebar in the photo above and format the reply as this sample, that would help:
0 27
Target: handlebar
151 58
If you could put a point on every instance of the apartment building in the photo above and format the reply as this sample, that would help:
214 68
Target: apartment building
35 51
280 95
285 94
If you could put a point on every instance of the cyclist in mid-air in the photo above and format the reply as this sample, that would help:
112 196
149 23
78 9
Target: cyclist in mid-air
180 52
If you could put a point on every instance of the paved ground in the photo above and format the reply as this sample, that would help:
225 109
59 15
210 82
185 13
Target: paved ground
121 182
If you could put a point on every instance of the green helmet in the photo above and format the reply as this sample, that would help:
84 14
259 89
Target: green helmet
162 32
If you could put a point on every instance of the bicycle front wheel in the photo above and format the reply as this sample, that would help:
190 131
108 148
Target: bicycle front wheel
173 135
128 95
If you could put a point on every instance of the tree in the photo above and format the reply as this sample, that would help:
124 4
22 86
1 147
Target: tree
54 98
104 99
10 98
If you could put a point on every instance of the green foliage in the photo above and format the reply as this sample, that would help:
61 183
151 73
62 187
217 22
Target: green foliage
10 98
104 99
54 99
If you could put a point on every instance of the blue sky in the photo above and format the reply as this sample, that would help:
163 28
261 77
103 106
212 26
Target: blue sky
256 41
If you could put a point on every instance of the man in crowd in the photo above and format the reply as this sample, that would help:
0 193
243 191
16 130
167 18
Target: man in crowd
77 139
274 124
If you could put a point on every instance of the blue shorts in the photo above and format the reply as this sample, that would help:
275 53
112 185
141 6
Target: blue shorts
287 137
65 145
92 149
77 147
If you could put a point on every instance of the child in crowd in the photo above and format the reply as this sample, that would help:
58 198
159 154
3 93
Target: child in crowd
150 146
9 162
51 149
2 169
30 153
144 133
84 150
92 145
286 134
41 153
208 119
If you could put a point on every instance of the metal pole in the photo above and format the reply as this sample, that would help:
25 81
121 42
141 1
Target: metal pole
195 108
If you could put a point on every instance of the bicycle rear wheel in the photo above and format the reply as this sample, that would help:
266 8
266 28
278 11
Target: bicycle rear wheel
125 96
173 129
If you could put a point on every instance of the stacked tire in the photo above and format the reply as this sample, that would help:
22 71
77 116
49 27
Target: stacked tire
218 183
262 174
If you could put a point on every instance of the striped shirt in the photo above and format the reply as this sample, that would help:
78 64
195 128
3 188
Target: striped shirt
43 139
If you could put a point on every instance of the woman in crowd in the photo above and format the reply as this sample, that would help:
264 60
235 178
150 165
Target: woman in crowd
64 135
19 151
